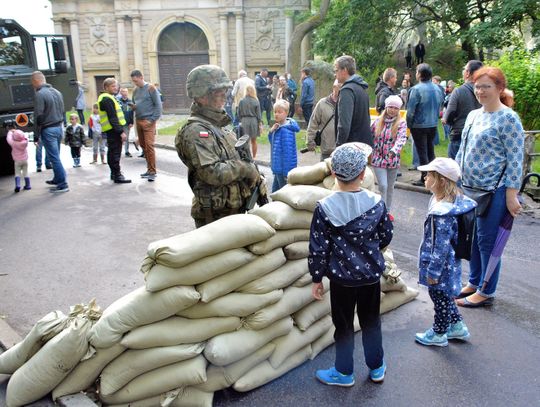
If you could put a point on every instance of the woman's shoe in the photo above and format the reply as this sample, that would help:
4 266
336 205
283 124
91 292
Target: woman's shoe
464 294
465 303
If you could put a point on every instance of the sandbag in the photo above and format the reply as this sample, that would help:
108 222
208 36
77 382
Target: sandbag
280 239
178 330
226 283
233 304
321 343
50 365
133 363
330 182
302 197
281 216
311 313
282 277
157 381
159 277
297 250
392 284
265 373
303 281
137 308
394 299
230 347
236 231
41 332
86 372
295 340
294 298
308 175
221 377
182 397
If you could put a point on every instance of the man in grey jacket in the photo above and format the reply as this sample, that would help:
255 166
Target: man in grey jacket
48 120
352 120
147 106
462 101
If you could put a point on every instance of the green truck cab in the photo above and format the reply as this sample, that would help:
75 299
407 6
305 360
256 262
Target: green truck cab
21 54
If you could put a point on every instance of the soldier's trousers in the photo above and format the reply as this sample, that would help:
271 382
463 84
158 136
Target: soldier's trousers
214 216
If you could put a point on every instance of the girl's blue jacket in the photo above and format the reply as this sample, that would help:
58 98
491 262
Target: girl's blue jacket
436 256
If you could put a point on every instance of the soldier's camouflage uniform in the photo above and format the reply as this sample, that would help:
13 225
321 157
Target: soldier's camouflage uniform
219 179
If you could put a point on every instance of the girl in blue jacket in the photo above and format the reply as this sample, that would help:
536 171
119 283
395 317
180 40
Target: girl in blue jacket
439 269
282 144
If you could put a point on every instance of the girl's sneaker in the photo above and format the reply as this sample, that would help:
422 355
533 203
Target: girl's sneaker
333 378
430 338
458 331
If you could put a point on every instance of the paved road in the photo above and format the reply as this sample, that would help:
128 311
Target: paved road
60 250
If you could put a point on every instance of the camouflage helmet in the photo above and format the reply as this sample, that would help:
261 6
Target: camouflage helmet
205 79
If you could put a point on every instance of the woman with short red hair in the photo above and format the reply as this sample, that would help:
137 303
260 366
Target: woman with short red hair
491 158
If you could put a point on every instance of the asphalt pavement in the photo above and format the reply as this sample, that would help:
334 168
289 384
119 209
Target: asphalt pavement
61 250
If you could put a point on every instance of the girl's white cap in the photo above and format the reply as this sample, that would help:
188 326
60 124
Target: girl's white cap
444 166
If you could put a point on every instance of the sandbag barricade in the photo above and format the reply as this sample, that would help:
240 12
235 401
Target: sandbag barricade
214 313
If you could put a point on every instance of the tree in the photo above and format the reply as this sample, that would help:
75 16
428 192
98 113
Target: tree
300 31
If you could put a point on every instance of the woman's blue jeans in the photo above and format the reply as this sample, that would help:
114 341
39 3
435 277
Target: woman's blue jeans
485 235
51 138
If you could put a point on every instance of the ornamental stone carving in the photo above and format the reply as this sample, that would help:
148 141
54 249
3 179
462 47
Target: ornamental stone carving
99 36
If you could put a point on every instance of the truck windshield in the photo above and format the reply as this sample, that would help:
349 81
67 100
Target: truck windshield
11 50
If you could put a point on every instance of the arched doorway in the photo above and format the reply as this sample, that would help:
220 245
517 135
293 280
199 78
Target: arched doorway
181 47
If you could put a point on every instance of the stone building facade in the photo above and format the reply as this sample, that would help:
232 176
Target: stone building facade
165 39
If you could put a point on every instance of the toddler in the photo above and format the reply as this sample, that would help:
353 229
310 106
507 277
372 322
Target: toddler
439 269
75 138
94 132
19 143
283 156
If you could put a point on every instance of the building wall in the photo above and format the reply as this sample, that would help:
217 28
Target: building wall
101 50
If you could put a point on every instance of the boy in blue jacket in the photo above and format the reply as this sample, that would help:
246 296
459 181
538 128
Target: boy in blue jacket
348 231
283 156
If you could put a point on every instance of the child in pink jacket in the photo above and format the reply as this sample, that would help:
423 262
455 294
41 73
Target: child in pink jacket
18 142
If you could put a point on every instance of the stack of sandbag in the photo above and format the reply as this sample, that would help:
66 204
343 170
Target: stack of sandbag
51 350
228 304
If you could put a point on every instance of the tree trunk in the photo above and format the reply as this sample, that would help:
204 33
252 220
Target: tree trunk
294 49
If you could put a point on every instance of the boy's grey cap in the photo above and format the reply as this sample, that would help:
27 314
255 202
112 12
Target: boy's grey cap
349 160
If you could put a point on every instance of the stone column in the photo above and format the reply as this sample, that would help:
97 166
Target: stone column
137 42
75 39
240 45
224 41
122 50
289 26
58 26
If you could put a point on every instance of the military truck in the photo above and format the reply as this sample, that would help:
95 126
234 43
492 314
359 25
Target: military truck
21 54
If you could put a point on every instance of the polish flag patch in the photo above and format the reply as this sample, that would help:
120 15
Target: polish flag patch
203 134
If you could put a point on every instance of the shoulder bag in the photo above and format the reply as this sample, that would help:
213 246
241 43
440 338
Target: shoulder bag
481 196
318 133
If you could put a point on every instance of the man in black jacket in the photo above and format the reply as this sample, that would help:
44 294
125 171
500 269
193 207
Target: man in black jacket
462 101
385 88
352 121
112 122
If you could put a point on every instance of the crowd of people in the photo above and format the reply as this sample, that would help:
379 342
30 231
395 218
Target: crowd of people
486 140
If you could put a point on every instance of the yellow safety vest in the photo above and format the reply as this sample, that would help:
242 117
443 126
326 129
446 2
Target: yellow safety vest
104 119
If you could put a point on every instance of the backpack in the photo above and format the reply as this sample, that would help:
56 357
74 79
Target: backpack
463 246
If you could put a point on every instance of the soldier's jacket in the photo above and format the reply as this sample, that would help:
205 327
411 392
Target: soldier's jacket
216 174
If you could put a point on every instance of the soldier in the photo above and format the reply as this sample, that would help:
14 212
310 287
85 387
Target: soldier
220 180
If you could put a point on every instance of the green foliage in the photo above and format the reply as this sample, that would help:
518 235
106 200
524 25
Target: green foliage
446 58
522 70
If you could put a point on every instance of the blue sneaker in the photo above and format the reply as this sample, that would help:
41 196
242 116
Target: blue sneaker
377 375
333 378
458 331
430 338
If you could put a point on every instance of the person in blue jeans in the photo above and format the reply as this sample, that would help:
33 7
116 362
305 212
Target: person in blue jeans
348 230
307 97
491 157
282 137
48 119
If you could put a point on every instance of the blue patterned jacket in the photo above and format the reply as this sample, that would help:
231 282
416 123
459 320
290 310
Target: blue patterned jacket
348 231
436 256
